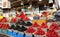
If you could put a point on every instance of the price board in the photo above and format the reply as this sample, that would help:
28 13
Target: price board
5 4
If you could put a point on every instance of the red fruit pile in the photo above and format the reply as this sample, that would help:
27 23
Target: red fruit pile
44 13
4 20
13 20
26 18
30 30
39 32
17 15
0 20
0 25
4 26
59 28
44 25
22 15
52 33
54 26
35 24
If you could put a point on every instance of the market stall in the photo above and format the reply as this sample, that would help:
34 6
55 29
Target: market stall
29 18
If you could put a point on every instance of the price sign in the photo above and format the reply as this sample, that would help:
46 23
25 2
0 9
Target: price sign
5 4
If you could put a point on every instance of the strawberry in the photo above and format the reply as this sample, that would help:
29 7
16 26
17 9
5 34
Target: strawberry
44 25
13 20
30 30
4 20
39 32
35 24
54 26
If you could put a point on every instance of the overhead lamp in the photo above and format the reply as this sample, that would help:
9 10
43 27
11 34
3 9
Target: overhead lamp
40 0
21 3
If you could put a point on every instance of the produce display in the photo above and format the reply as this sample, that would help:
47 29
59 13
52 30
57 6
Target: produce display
29 18
22 26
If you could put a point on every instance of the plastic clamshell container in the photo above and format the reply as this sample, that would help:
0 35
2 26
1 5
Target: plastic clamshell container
28 35
44 29
4 31
14 33
20 34
38 36
10 32
0 31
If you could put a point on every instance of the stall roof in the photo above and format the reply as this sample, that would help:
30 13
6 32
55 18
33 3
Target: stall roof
17 3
